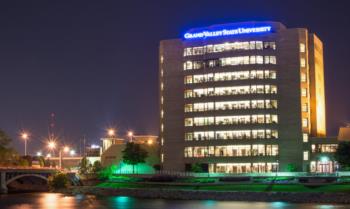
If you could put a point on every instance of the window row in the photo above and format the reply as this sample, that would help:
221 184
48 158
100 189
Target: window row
231 90
236 134
229 46
245 167
324 147
231 105
232 150
231 76
231 120
229 61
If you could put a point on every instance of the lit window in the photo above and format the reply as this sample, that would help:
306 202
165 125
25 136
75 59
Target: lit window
304 122
259 45
304 107
306 155
302 47
162 127
162 100
162 113
188 93
302 62
162 141
303 77
162 157
188 51
304 92
188 79
270 60
270 45
188 122
188 136
162 86
259 60
188 108
305 137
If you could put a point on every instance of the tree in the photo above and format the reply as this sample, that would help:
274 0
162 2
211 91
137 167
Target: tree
96 167
134 154
42 162
4 139
342 155
8 156
107 172
197 168
84 166
58 181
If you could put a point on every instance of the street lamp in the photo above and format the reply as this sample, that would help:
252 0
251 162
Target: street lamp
51 145
111 132
25 137
72 152
130 135
66 149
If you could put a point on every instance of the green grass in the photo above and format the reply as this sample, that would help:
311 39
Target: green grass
235 187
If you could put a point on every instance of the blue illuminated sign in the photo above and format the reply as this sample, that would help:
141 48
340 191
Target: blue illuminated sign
227 32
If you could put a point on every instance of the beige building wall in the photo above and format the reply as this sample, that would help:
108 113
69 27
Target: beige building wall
317 87
114 154
344 133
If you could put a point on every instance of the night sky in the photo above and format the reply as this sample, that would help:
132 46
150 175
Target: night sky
95 63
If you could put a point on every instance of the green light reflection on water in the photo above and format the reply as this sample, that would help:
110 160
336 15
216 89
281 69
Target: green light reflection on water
279 204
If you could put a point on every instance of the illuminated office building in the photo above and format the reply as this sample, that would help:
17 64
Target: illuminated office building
241 97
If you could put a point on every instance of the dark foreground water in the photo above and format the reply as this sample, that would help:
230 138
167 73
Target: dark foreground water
59 201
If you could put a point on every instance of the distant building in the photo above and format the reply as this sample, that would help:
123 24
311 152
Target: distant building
113 147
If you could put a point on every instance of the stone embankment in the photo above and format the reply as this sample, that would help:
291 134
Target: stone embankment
293 197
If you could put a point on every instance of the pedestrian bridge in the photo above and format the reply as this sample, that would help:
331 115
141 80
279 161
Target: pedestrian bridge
10 174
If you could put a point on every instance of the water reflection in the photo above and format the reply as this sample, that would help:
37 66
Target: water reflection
59 201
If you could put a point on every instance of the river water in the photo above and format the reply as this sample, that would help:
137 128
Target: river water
60 201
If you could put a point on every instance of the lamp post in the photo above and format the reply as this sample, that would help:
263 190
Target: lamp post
25 137
130 135
111 132
65 149
51 145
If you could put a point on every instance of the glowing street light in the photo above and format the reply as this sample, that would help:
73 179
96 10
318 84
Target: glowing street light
51 145
72 152
25 137
111 132
39 154
66 149
130 135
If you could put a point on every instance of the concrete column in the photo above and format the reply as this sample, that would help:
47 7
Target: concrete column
3 186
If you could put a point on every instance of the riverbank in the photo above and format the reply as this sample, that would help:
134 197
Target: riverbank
183 194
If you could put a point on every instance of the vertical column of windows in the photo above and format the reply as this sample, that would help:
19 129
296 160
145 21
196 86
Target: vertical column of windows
161 105
304 84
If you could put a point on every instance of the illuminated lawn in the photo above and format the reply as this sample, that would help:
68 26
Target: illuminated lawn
235 187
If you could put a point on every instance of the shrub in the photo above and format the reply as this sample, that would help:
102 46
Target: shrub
157 167
235 179
197 168
96 167
162 178
291 167
107 172
58 181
